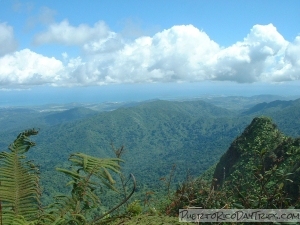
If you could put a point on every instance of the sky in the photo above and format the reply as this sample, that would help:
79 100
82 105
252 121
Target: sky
112 50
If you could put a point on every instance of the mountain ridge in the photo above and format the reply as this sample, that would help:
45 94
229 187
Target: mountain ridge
261 155
156 134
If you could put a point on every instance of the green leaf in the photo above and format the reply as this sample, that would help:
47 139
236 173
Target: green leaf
19 189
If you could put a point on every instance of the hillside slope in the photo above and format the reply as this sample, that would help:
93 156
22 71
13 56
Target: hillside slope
156 135
261 158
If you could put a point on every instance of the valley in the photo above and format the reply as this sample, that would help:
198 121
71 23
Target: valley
157 134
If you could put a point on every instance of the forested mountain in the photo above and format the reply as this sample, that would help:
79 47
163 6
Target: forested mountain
260 170
262 164
285 114
268 106
68 115
157 135
261 142
243 103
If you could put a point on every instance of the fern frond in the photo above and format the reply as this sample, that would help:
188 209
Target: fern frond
84 167
19 189
97 166
70 173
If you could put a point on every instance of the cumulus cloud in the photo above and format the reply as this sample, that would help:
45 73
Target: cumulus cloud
288 68
26 68
176 54
292 52
7 42
186 54
247 61
181 53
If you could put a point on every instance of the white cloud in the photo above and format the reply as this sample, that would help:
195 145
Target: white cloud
92 40
180 54
176 54
248 61
64 33
65 55
26 68
289 66
184 53
292 52
7 41
111 43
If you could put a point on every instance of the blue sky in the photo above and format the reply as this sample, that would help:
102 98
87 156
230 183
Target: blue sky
135 50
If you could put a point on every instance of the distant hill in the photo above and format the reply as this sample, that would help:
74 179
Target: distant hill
68 115
156 134
274 105
243 103
17 118
285 114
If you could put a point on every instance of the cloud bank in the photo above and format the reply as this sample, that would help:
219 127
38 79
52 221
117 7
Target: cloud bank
179 54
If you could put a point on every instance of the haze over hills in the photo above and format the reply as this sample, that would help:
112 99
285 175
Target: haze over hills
242 103
156 134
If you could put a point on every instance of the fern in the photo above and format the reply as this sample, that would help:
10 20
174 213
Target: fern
97 166
19 182
20 191
75 208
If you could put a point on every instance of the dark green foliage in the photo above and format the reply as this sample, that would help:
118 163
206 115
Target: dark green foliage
260 134
134 208
192 135
145 219
272 106
283 113
156 135
69 115
260 170
80 206
20 191
264 161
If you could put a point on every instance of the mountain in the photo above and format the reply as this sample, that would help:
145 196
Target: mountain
284 113
16 119
11 118
261 158
243 103
68 115
260 134
157 135
271 106
259 170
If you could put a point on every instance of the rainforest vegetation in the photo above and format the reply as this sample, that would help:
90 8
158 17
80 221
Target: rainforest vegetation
81 164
